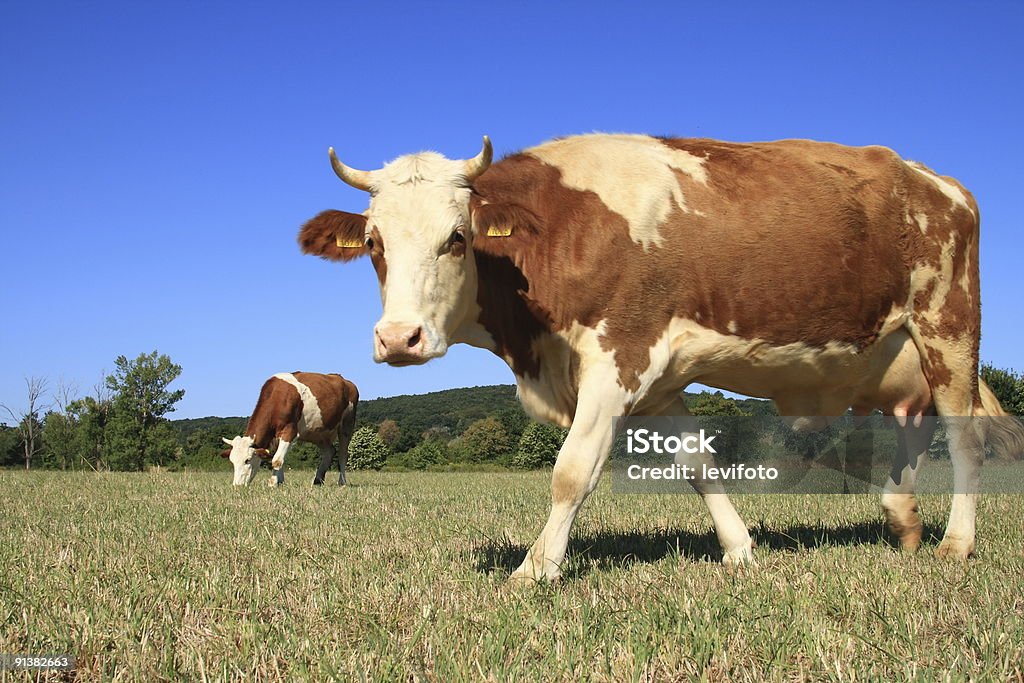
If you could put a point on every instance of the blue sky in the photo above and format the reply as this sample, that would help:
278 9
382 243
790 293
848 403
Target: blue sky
158 158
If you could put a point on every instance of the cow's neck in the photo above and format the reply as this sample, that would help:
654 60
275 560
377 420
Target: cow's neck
506 321
260 431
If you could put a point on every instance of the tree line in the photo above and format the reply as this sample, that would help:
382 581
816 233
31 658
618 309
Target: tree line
123 425
120 426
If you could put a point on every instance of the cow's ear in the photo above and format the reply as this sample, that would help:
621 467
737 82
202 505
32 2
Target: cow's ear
225 454
499 228
334 235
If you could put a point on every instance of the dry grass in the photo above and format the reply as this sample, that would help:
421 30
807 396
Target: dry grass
402 576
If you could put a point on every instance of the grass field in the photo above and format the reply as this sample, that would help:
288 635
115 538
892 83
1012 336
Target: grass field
158 576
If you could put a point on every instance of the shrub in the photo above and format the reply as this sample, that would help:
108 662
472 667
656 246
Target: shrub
483 441
424 454
366 451
538 447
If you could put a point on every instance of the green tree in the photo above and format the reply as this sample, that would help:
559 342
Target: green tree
137 432
422 456
407 440
201 450
515 421
539 446
389 432
91 415
483 441
59 427
717 415
9 442
437 433
714 404
59 438
1007 385
366 450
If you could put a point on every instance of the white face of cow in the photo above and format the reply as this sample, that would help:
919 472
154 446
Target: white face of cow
244 458
418 232
421 232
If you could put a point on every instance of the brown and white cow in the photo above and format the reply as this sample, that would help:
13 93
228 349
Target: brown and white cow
611 271
296 406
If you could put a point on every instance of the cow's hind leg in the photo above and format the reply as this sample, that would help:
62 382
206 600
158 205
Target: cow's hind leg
345 431
966 448
326 456
737 546
576 473
951 369
898 499
945 325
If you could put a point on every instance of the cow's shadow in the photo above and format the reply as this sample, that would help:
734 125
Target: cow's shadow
605 549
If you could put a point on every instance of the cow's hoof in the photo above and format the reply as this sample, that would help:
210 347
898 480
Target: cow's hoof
523 579
739 558
954 549
530 574
272 482
906 527
318 482
911 542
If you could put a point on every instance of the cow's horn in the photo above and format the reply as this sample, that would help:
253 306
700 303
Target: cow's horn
352 176
227 441
479 163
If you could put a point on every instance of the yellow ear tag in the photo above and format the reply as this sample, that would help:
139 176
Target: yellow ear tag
495 231
347 243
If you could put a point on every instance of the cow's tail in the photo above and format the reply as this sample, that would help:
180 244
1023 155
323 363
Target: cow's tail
348 418
1005 432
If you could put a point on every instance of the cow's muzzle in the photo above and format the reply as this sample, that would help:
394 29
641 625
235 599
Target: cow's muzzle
400 344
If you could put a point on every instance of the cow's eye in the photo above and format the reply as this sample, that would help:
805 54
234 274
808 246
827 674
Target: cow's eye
370 243
248 460
457 243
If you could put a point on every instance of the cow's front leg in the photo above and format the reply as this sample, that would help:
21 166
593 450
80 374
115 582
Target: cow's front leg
326 456
277 478
576 473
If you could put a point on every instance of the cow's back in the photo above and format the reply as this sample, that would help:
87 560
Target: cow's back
784 242
333 394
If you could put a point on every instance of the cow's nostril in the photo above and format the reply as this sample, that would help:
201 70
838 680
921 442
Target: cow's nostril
415 338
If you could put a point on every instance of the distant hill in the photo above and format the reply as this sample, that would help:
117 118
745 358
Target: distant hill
228 426
449 412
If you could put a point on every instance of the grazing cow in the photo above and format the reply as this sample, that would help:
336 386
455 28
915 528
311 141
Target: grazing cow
611 271
304 406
